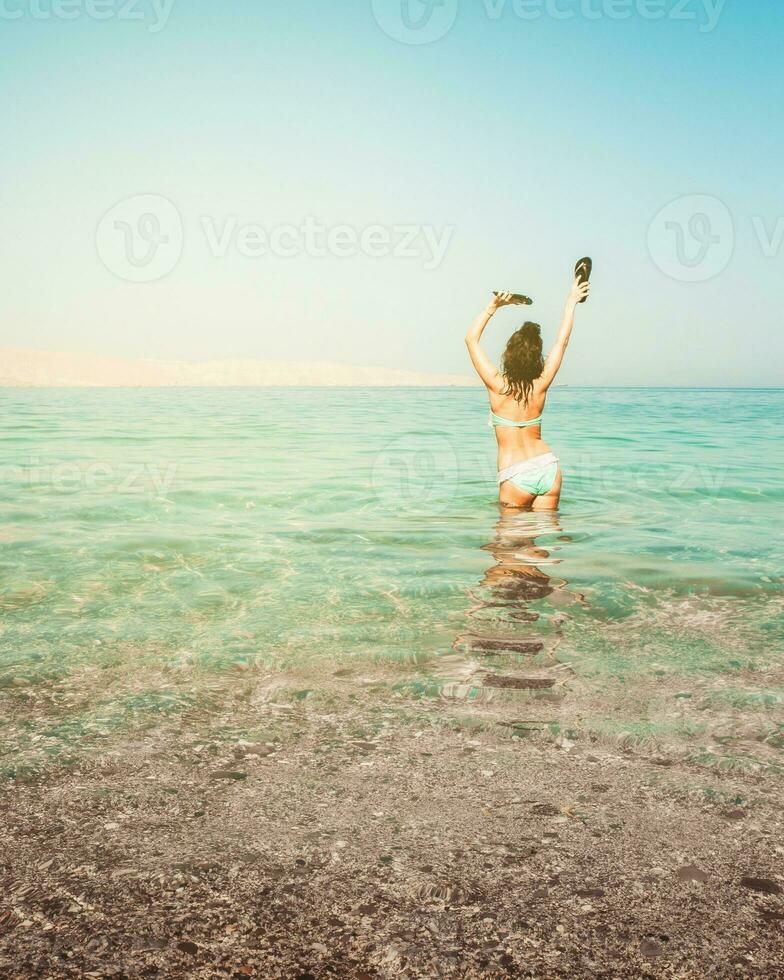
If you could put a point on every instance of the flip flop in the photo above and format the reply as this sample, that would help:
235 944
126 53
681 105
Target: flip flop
582 271
519 298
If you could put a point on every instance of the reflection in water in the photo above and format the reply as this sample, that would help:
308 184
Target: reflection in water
515 624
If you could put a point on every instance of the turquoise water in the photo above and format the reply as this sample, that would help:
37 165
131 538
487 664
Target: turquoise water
158 545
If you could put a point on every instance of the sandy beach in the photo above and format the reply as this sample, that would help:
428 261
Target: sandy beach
341 837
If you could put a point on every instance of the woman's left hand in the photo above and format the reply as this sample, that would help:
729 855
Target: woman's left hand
504 299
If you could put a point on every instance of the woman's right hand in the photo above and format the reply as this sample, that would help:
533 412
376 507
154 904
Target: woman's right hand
578 292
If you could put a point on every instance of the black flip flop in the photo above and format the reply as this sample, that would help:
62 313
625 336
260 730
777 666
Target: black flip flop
519 298
582 271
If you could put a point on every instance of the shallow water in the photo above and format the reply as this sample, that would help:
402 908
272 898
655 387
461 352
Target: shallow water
157 544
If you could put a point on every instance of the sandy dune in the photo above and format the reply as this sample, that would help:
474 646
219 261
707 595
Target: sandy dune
36 368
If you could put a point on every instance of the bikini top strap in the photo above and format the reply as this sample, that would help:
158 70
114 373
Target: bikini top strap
499 420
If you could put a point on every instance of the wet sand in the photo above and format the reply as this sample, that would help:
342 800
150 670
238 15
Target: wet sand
360 837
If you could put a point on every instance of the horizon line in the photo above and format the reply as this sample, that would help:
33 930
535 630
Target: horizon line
347 387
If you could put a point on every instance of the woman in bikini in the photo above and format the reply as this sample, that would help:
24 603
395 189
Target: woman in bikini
528 471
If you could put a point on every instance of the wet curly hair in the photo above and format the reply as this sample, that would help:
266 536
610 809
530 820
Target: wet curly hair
522 362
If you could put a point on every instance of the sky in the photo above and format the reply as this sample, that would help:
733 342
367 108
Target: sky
348 181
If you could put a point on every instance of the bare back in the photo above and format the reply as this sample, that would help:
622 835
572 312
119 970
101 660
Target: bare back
514 443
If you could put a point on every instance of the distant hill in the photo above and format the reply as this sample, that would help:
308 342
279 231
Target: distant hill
50 369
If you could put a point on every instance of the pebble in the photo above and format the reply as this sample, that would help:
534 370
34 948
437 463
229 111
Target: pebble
762 885
651 949
244 749
690 872
518 683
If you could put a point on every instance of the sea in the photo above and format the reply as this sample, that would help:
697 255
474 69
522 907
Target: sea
160 547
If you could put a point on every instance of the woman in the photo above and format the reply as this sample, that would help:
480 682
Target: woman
528 471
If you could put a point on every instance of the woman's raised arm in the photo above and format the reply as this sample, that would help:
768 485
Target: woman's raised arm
578 292
485 368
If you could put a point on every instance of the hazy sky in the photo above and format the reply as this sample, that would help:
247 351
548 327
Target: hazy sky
348 180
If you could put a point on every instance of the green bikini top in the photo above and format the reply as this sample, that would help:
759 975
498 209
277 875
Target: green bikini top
499 420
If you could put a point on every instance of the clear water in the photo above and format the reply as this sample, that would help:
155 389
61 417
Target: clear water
158 547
